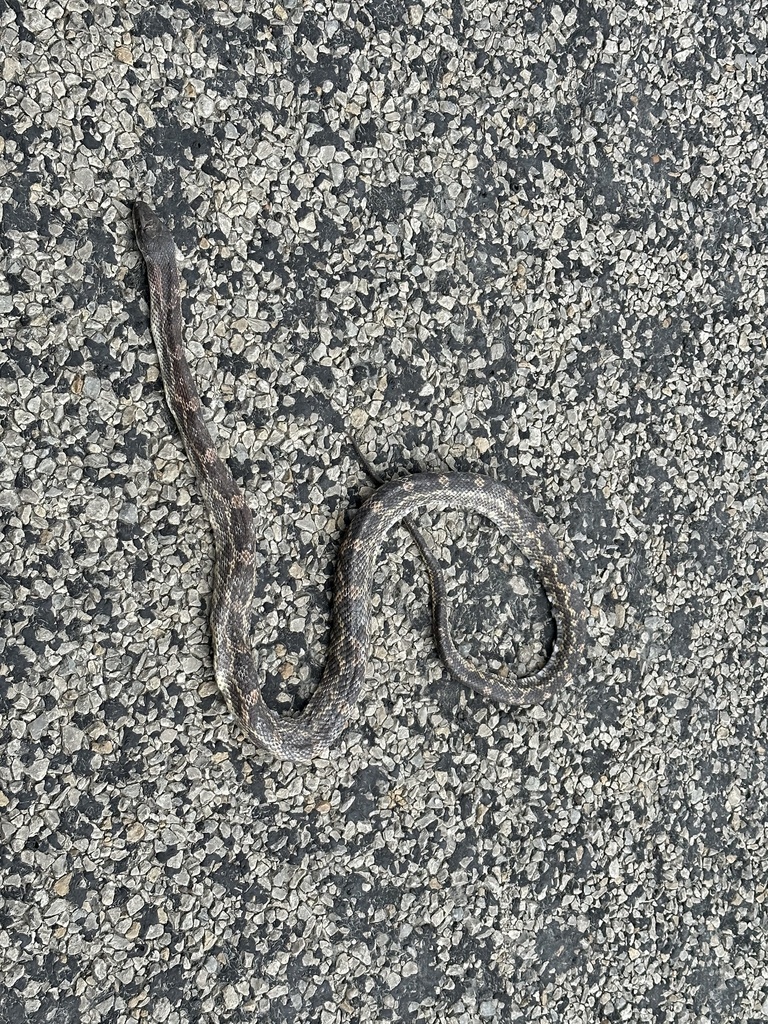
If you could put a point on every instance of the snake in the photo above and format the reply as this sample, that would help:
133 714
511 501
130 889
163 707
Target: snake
311 734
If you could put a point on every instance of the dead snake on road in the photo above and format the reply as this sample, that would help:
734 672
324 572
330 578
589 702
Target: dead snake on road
330 707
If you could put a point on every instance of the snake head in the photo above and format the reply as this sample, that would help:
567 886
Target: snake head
153 238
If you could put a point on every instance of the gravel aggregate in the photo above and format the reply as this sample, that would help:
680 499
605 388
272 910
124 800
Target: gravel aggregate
522 239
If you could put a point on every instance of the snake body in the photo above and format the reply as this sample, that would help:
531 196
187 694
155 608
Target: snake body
329 709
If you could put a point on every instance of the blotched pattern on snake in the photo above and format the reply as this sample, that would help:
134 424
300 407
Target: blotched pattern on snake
330 707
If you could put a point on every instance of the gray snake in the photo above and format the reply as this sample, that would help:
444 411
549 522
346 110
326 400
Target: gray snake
330 707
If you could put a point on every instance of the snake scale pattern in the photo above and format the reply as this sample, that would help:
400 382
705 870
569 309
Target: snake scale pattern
328 711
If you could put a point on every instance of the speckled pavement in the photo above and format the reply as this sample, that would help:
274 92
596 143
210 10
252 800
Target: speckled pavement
525 240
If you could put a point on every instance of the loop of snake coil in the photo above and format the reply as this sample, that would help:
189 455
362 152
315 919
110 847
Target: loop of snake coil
330 707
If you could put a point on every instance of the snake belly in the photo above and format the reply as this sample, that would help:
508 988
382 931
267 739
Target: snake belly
331 706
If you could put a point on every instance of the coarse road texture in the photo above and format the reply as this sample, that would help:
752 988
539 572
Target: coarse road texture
518 239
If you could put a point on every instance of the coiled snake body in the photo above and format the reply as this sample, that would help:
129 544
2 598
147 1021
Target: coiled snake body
330 707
